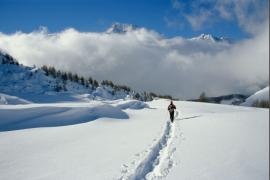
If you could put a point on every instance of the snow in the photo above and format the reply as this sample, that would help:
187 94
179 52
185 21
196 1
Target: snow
210 38
257 96
13 100
151 166
128 139
94 150
132 104
48 115
222 142
23 81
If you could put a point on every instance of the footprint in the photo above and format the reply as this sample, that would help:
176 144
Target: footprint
124 171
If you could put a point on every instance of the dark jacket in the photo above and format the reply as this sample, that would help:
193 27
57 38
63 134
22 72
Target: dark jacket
171 108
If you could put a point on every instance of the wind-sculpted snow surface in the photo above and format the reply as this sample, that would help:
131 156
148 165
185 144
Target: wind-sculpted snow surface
132 104
12 100
60 114
50 115
263 94
206 141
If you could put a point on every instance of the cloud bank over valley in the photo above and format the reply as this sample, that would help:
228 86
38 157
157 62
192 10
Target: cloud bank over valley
145 60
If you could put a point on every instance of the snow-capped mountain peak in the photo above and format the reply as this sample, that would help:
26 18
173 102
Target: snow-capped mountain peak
210 38
121 28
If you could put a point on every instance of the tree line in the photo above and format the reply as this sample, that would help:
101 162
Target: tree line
8 59
93 84
115 86
73 77
261 104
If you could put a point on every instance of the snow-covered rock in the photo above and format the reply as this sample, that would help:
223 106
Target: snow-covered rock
121 28
210 38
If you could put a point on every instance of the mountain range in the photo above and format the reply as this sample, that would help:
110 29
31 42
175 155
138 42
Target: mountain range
119 28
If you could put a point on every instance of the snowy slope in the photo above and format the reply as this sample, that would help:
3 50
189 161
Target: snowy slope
94 150
6 99
257 96
15 78
26 82
124 139
222 142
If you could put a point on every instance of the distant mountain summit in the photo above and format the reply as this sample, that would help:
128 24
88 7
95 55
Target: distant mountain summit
210 38
121 28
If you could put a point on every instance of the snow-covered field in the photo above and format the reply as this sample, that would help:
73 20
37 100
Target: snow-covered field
126 139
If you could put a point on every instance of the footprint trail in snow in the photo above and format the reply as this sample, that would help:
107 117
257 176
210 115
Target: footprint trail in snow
158 162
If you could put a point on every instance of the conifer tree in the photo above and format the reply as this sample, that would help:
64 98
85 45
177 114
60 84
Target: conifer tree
95 83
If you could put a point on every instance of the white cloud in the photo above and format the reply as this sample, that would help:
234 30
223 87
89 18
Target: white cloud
147 61
248 14
202 19
224 12
173 23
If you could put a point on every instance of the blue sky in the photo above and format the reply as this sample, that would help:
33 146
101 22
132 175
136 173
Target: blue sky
164 16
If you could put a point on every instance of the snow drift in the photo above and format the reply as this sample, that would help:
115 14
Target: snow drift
51 115
12 100
261 95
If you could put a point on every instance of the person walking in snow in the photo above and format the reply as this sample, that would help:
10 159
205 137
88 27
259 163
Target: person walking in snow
171 109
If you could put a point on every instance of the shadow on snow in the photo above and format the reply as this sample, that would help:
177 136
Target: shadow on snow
46 116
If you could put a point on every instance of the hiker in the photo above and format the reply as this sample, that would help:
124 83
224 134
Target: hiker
171 109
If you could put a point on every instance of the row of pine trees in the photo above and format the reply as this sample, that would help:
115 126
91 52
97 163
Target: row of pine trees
73 77
93 84
8 59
